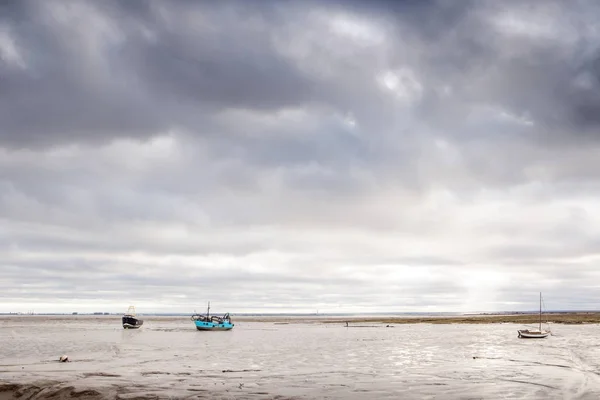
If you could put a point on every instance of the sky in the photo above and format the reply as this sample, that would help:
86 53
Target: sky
295 156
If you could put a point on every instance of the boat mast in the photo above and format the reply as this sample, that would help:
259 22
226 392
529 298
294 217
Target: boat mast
208 311
540 311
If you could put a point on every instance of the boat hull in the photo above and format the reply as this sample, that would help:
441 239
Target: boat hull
130 322
213 326
524 334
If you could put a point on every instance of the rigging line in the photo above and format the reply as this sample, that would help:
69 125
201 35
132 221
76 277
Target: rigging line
544 309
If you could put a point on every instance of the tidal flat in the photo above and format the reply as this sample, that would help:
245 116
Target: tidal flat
297 358
570 318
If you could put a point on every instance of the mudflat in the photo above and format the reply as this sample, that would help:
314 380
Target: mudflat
284 358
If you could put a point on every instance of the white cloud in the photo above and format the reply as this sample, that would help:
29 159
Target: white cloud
9 51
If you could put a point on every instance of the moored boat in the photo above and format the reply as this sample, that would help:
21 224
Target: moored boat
130 321
535 333
212 323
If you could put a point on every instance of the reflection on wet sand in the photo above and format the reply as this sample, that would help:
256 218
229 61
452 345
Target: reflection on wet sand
168 357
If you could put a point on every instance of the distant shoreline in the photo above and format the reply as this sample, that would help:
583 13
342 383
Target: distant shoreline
318 315
568 318
562 317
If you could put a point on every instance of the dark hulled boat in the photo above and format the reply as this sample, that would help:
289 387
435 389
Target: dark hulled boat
130 321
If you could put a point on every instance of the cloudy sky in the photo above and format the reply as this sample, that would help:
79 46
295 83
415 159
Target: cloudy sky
268 156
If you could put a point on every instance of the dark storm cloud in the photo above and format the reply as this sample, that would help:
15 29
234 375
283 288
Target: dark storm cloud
98 71
550 73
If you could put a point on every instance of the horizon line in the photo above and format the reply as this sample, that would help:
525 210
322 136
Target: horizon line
104 313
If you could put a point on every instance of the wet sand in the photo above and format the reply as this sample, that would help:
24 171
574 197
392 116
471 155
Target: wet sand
294 358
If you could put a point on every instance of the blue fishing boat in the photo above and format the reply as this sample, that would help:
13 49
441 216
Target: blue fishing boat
212 323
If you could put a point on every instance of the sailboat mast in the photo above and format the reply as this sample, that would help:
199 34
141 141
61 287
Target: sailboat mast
208 311
540 311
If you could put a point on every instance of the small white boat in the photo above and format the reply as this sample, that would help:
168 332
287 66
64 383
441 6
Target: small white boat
535 333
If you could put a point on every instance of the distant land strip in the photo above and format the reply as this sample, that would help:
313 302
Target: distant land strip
556 318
